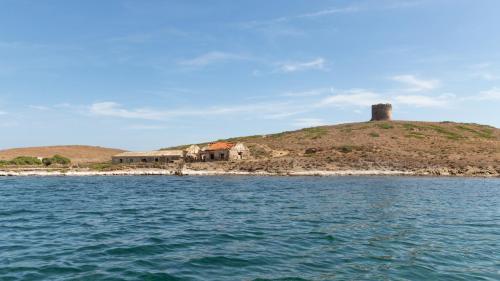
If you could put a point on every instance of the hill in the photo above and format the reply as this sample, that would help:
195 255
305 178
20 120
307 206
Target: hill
439 147
79 154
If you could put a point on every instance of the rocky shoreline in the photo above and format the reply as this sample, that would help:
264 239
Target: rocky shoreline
190 172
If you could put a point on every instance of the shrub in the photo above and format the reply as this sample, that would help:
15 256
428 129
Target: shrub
47 161
449 134
374 135
101 166
385 126
315 133
25 160
56 159
483 133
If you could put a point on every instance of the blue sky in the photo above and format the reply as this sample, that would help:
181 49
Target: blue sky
149 74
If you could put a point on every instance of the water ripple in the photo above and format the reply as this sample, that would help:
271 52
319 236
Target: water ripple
249 228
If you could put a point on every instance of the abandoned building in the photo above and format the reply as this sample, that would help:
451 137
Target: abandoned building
160 157
220 151
381 112
193 153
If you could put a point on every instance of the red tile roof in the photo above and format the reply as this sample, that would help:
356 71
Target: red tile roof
220 145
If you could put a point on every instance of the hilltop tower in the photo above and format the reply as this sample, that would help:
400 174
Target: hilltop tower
381 112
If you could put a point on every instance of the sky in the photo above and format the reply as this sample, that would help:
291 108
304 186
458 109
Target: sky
143 75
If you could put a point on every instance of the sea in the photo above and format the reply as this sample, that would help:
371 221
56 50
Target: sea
249 228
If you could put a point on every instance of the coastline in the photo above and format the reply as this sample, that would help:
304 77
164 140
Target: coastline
190 172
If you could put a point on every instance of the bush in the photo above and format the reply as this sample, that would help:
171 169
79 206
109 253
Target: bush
385 126
25 160
101 166
56 159
47 161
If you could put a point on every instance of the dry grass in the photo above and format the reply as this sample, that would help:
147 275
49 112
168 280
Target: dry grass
395 144
79 154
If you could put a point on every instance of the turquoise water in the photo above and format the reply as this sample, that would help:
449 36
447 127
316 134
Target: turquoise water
249 228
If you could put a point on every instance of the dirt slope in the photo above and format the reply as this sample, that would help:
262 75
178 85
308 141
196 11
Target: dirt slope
78 154
400 145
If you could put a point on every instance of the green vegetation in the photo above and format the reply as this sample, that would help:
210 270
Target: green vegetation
416 135
486 133
100 166
25 160
57 160
33 161
411 127
315 133
449 134
279 135
374 135
385 126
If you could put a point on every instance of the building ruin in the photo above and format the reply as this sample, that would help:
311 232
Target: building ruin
381 112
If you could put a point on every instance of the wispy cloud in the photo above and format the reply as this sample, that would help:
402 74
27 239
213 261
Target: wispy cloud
3 113
328 12
116 110
487 95
309 93
353 97
483 71
113 109
316 64
210 58
308 122
146 127
424 101
39 107
416 84
309 15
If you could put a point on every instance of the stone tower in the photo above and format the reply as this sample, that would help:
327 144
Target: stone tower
382 112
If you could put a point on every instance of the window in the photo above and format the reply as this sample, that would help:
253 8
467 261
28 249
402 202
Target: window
212 156
156 159
121 160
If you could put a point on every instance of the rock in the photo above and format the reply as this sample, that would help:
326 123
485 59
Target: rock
311 150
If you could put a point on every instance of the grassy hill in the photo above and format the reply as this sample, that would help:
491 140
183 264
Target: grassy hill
78 154
401 145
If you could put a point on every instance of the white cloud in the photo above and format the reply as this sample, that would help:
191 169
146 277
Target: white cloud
311 15
210 58
113 109
3 113
316 64
309 93
424 101
416 84
146 127
39 107
488 95
483 71
354 97
327 12
308 122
